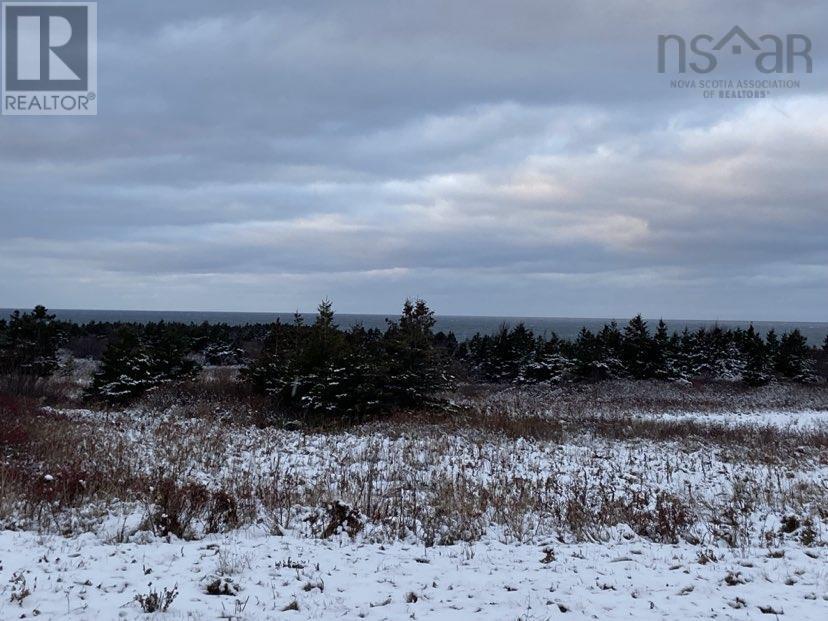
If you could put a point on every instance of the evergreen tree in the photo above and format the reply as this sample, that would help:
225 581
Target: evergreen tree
638 349
29 343
274 370
321 371
324 340
415 367
547 364
133 364
297 359
772 348
793 360
168 347
587 356
126 370
354 386
662 353
546 367
501 357
612 350
757 368
685 354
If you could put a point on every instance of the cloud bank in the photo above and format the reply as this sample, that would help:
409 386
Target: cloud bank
495 158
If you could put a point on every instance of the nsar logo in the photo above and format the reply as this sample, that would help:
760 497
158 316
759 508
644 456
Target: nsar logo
772 53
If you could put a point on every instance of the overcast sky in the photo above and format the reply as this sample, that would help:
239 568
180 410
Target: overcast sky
495 158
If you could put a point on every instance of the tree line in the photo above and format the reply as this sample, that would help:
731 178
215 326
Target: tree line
320 369
517 355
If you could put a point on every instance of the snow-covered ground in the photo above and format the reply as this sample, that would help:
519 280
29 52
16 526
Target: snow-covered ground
84 578
579 525
800 420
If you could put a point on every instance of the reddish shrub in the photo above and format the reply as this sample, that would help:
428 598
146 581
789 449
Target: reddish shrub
13 428
177 507
222 513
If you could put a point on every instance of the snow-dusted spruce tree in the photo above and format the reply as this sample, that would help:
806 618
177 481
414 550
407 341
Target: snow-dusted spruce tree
515 355
134 363
638 350
218 346
612 345
772 348
415 368
794 359
500 357
322 372
223 354
281 371
683 354
588 357
547 367
548 364
757 371
723 354
29 343
703 353
352 386
125 371
331 374
664 354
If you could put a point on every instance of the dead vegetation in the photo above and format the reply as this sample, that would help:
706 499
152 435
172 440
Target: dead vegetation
505 462
155 601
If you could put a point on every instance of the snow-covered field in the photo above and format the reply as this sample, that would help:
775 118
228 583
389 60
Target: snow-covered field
494 518
800 420
85 578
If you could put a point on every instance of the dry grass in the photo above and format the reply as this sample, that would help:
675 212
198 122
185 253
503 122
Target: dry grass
659 397
192 463
59 390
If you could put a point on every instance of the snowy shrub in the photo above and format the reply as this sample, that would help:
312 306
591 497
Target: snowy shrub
333 518
190 509
223 354
222 513
456 513
155 601
19 588
133 364
174 507
220 585
553 368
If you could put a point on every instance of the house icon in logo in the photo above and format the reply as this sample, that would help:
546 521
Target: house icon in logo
736 48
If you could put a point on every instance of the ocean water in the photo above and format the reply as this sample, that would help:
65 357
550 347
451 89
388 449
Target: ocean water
464 327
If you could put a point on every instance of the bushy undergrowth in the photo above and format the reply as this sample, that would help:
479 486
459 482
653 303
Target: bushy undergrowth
435 482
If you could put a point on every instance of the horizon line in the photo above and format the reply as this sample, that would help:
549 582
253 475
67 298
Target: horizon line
396 313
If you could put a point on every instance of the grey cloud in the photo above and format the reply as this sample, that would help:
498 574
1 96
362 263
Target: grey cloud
481 154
